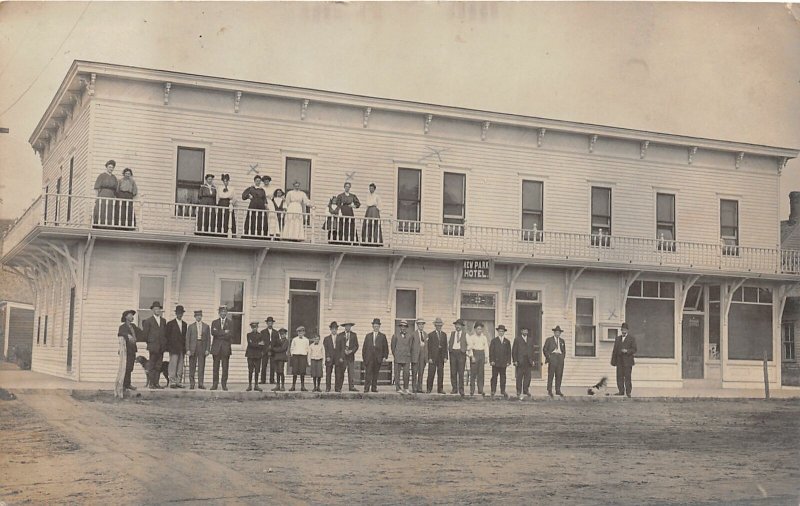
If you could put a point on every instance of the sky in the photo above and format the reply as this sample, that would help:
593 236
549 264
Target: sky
722 71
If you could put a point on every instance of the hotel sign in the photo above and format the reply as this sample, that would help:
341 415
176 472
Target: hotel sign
477 269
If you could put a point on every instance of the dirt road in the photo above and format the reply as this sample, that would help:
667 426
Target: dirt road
397 451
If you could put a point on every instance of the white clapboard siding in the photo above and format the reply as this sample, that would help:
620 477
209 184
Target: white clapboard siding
145 137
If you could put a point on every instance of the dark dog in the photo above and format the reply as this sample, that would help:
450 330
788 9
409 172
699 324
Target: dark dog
598 387
142 361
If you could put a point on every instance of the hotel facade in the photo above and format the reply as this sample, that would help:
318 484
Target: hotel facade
485 216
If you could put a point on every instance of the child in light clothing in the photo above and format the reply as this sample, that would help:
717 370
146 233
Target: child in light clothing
316 357
299 355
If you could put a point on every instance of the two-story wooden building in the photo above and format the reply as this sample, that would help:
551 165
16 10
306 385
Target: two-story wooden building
485 216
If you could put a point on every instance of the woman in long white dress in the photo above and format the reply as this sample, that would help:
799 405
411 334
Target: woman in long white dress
296 203
272 216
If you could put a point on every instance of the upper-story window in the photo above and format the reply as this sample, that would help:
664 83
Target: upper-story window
729 226
189 178
455 203
58 199
298 169
532 210
69 188
665 221
409 199
601 216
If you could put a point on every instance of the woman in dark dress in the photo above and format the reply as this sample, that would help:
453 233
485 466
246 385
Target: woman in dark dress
207 215
255 224
126 190
347 223
227 216
129 331
106 187
279 201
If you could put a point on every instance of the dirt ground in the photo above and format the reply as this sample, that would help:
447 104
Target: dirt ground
397 451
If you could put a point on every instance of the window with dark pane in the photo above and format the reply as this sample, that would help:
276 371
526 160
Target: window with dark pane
585 332
405 309
665 221
601 216
231 295
454 207
409 199
532 210
188 179
729 226
151 289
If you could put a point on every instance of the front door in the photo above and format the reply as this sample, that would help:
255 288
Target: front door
530 316
692 331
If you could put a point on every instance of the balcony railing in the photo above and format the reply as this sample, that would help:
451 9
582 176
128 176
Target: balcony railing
138 216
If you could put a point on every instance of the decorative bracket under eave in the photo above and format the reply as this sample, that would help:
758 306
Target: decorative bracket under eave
70 261
367 112
334 269
512 282
692 152
784 295
167 87
685 289
428 119
90 85
739 158
236 100
396 263
258 262
87 262
485 129
627 282
180 257
730 290
643 149
540 137
592 142
570 278
304 109
782 164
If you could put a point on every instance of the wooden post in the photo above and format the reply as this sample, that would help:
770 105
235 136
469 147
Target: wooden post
766 377
119 390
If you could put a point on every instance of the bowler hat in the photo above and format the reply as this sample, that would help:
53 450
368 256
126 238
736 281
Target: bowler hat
333 325
126 313
376 321
179 309
557 328
501 327
270 319
438 321
624 326
458 322
403 323
156 304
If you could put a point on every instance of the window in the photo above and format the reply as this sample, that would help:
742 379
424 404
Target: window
151 289
69 188
650 312
729 226
39 329
231 295
409 199
532 210
665 221
585 331
46 199
58 198
298 169
455 203
306 285
787 337
405 309
601 216
189 178
45 329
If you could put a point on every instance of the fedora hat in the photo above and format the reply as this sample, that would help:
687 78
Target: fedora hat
557 328
422 321
459 322
270 319
376 321
156 304
348 323
126 313
501 327
333 325
438 321
403 323
222 307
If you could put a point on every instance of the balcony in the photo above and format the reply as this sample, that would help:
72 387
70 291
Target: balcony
77 216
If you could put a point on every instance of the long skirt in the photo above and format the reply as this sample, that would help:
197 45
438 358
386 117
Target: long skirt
123 213
371 233
299 363
104 209
293 228
347 225
316 368
226 217
255 223
272 222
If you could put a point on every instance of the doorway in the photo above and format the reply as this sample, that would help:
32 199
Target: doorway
529 315
692 346
303 307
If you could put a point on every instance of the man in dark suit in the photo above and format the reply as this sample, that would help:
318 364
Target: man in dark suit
176 346
155 333
499 358
222 331
198 346
457 347
437 356
329 343
622 357
374 352
554 352
269 334
522 354
346 347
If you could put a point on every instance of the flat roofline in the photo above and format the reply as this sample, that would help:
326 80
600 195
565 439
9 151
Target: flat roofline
477 115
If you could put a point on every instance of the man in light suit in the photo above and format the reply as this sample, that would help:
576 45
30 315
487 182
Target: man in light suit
554 352
457 347
198 346
374 352
420 357
222 330
176 342
523 356
346 347
622 357
437 356
269 335
154 331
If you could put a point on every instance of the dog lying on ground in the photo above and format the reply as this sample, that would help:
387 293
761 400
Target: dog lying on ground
142 361
599 387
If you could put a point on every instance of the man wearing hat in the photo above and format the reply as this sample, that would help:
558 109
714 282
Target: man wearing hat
437 356
253 353
402 344
269 336
374 352
622 357
198 346
457 347
523 353
176 346
329 343
499 359
346 347
554 352
419 358
222 331
154 332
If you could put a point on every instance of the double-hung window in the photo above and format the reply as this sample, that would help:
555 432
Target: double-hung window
665 221
409 200
601 216
532 210
729 226
188 179
455 203
585 329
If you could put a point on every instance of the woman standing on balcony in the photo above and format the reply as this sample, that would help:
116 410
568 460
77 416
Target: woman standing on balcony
255 224
106 187
206 216
126 190
371 232
279 203
347 223
271 221
226 217
296 203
